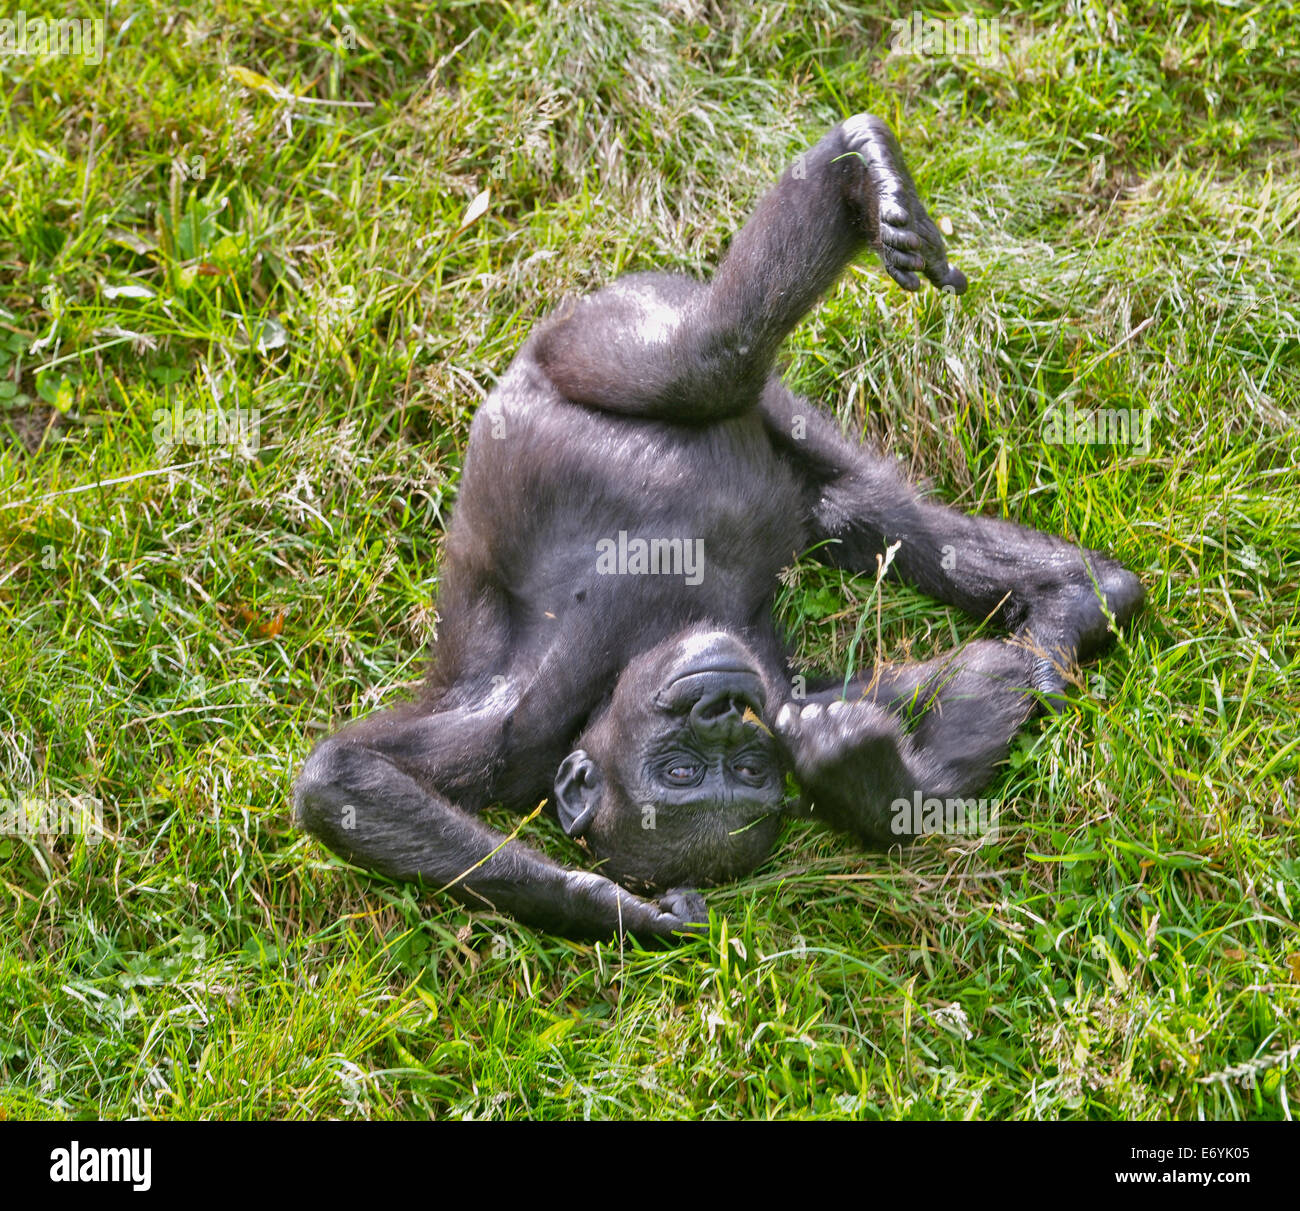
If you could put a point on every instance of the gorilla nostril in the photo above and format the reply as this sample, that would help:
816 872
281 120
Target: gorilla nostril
719 706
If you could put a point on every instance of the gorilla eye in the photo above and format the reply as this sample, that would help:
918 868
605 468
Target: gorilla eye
683 773
751 769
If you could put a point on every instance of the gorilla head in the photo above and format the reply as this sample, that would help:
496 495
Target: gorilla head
677 780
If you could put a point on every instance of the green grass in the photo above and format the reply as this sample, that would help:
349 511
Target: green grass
181 625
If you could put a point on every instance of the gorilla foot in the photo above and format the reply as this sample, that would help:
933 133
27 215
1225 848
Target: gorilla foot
908 240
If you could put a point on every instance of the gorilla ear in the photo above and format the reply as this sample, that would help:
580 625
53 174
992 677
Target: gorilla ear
578 789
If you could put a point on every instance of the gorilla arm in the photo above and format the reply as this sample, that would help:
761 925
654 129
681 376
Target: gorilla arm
381 793
1062 600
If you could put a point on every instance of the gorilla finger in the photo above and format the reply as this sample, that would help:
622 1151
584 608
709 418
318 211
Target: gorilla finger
904 260
908 281
1048 680
948 279
893 215
899 237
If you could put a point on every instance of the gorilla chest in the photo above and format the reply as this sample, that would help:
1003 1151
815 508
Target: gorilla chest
722 484
707 516
654 518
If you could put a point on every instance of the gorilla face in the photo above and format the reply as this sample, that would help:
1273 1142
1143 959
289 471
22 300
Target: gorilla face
678 780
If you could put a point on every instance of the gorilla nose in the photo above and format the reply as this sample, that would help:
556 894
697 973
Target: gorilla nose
719 714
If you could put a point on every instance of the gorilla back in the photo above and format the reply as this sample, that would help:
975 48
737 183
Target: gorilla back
631 490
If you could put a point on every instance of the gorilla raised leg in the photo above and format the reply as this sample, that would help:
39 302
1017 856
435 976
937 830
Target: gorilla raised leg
694 353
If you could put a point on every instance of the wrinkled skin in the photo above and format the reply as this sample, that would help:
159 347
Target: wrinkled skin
652 704
678 785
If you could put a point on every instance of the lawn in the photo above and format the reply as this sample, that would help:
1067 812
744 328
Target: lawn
277 211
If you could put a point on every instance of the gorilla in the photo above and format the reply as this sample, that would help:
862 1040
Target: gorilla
631 490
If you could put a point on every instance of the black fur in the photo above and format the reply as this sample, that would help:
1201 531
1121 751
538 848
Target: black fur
655 709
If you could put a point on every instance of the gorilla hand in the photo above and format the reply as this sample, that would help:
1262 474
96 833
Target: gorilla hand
677 912
686 905
1074 623
851 760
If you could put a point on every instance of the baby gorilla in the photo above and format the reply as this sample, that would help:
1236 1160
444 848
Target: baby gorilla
631 491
